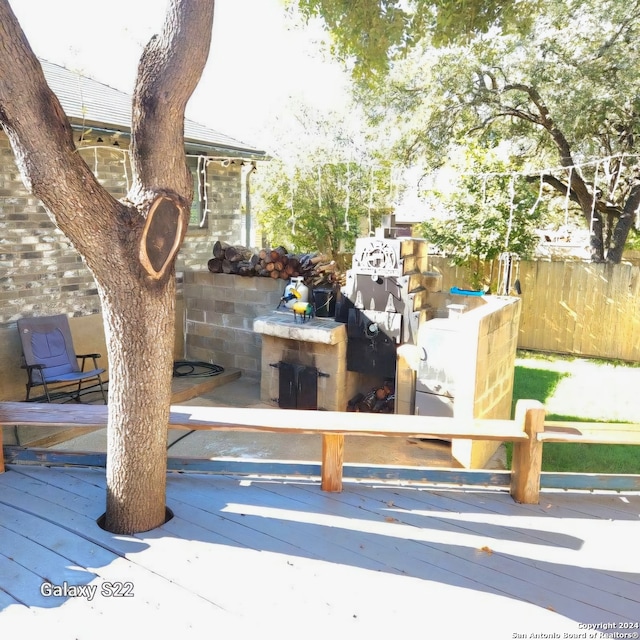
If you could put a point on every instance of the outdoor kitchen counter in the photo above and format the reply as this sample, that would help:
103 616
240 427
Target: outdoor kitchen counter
283 324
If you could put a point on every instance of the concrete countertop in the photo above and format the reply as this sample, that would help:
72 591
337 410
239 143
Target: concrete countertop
283 324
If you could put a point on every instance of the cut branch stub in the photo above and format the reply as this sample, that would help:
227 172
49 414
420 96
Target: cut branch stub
161 236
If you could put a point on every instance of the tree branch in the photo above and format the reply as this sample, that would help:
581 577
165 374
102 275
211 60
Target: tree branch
41 138
169 71
625 222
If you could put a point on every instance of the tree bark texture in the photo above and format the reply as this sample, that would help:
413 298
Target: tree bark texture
131 255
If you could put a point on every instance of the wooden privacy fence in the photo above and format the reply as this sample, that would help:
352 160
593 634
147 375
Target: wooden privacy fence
576 308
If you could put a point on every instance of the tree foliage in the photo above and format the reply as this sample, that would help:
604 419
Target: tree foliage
369 35
492 211
561 86
322 207
327 184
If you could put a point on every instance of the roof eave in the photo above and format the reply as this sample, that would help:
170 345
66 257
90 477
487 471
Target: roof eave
189 143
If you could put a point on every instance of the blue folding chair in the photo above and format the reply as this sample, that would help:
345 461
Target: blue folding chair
50 359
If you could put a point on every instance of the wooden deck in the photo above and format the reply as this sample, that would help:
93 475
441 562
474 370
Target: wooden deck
259 557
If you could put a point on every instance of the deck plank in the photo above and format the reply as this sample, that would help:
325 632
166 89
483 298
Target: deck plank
519 546
257 557
509 562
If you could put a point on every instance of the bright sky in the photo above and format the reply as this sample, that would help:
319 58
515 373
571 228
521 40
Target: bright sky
255 63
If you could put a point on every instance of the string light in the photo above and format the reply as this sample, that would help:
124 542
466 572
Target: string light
512 197
539 198
202 189
551 170
568 195
346 202
370 206
593 201
615 184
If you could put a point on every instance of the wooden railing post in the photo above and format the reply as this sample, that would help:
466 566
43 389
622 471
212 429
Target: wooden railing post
526 465
332 459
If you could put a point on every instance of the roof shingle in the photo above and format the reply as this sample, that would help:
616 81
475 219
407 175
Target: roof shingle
95 104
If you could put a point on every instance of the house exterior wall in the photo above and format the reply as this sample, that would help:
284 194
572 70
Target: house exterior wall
42 274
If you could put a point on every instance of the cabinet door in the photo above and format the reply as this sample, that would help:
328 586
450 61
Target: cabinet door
307 388
287 386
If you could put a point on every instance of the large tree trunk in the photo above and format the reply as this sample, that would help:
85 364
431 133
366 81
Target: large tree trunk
130 246
140 331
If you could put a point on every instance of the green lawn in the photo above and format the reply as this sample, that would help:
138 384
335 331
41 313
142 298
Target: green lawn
581 391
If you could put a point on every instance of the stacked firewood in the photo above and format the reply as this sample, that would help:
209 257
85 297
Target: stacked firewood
234 259
316 268
377 400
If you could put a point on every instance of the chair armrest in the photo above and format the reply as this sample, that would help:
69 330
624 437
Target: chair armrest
31 368
93 356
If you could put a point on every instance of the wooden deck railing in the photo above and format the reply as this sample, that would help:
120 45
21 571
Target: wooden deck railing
527 431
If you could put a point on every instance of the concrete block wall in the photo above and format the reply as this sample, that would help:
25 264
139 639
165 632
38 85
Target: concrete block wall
491 354
498 337
219 312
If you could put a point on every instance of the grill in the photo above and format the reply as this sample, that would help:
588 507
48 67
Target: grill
382 301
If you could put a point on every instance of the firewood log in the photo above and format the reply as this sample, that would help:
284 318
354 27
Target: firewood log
293 261
215 265
327 268
278 253
236 253
245 268
229 267
321 257
219 248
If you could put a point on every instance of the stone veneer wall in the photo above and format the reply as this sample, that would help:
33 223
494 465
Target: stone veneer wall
219 312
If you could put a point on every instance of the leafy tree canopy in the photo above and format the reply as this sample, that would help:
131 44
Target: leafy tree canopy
326 185
368 35
492 211
561 86
323 207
